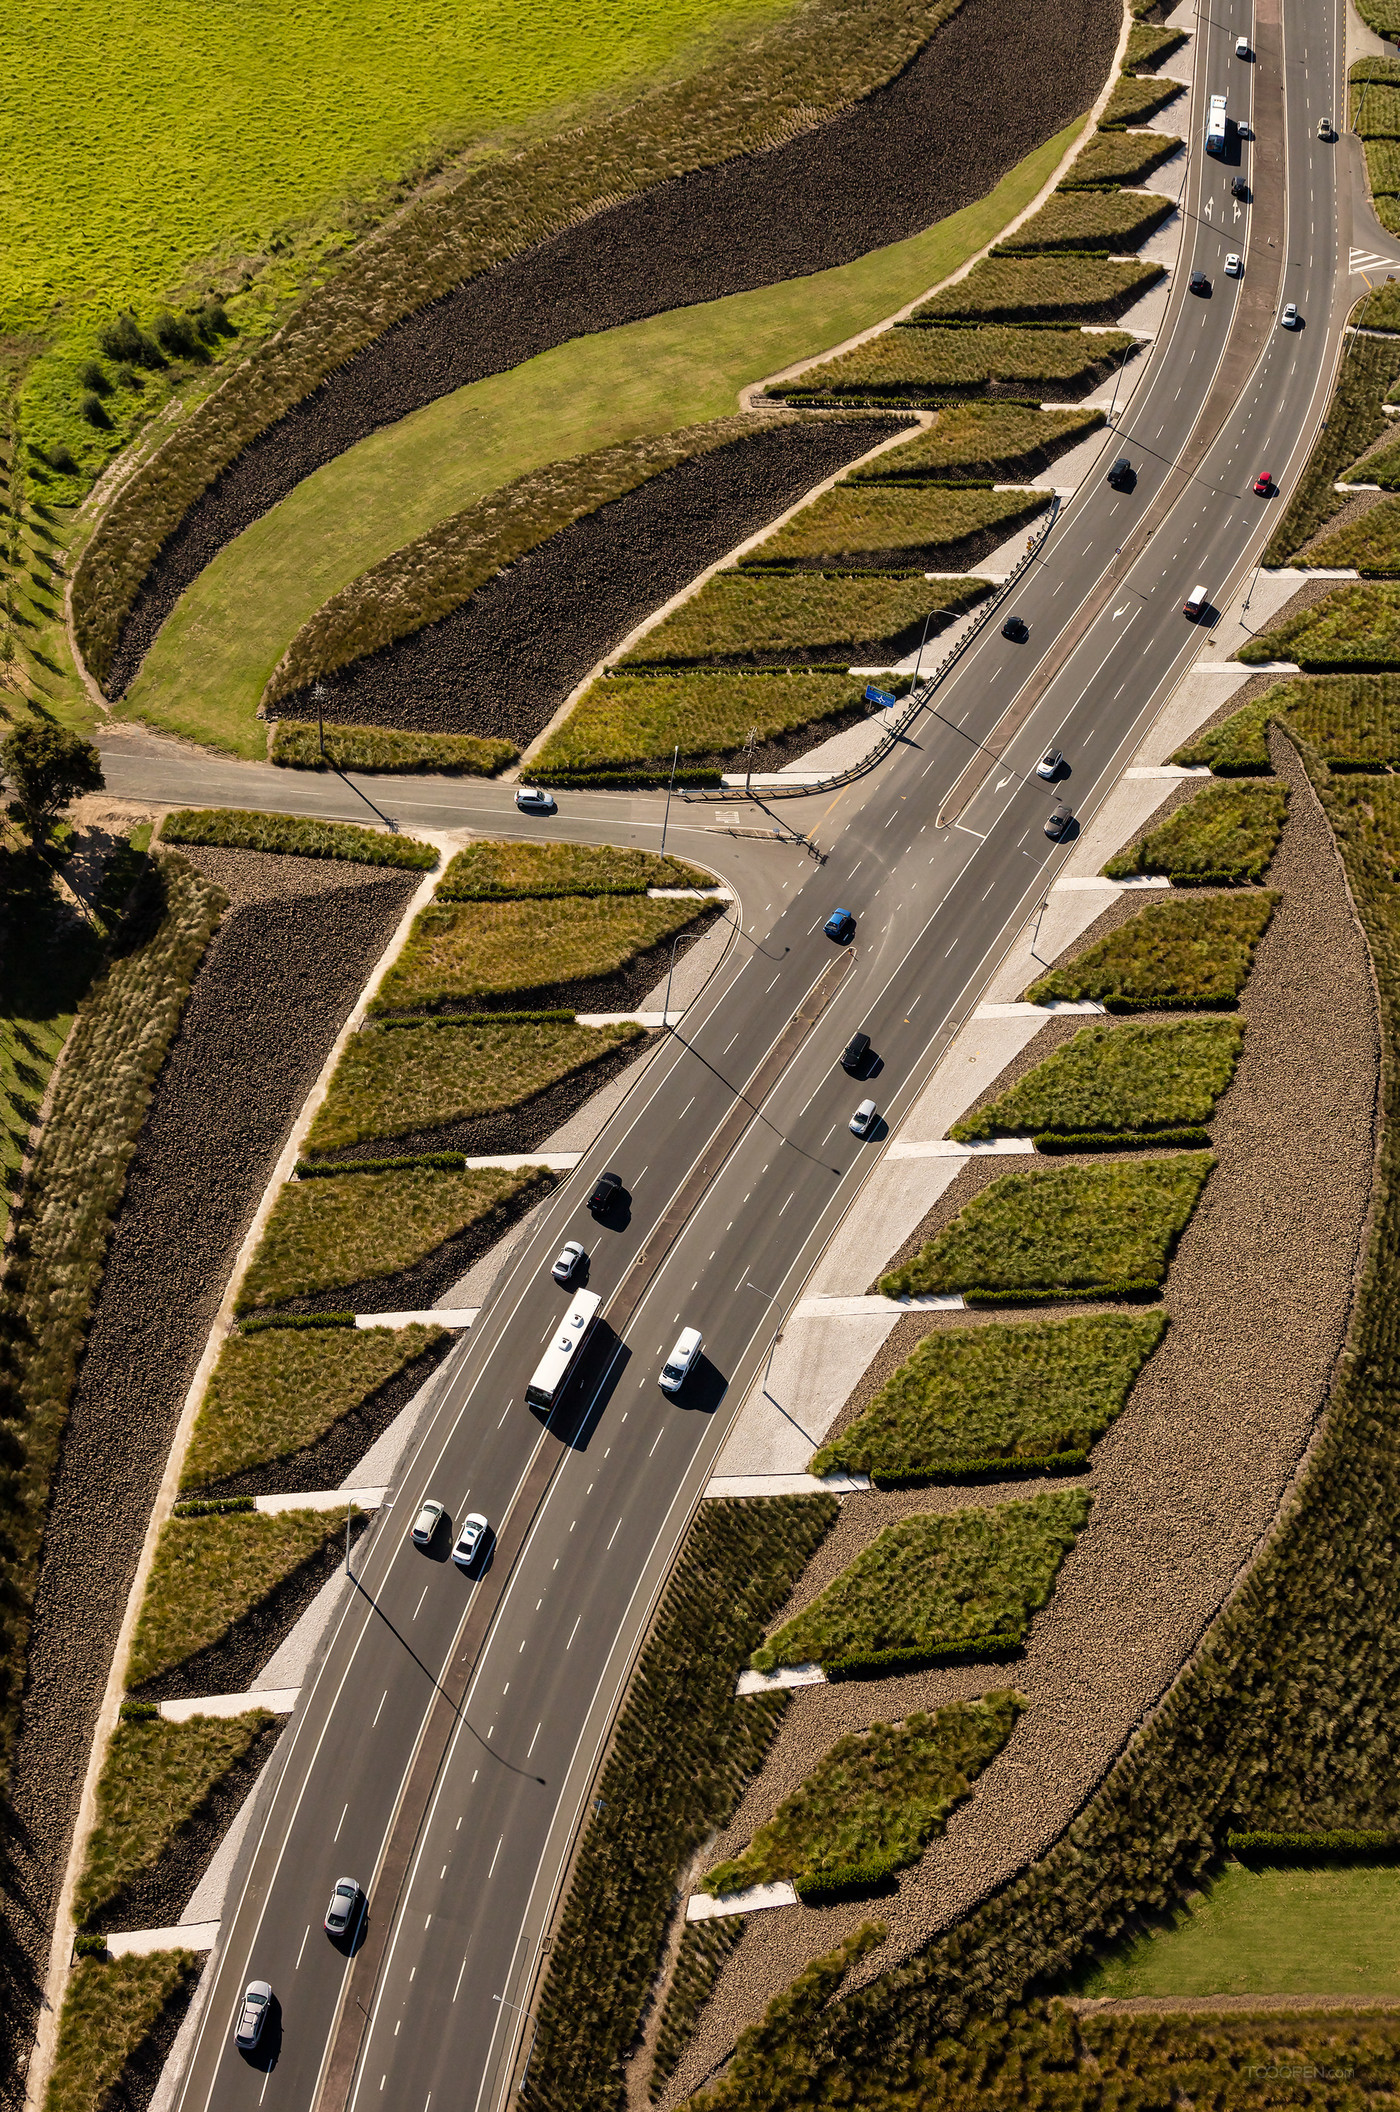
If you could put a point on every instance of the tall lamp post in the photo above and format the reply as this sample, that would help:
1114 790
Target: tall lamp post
669 790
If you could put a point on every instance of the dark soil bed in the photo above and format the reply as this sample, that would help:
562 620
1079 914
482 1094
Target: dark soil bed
999 78
503 663
282 973
522 1128
338 1451
231 1665
158 1897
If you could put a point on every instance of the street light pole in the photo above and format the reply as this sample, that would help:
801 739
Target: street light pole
749 748
669 790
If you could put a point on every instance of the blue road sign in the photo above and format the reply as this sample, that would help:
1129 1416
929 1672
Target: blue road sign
879 696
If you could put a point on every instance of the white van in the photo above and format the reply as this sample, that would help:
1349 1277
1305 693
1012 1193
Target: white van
1196 604
677 1365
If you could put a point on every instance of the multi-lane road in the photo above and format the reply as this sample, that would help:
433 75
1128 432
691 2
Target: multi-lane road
444 1750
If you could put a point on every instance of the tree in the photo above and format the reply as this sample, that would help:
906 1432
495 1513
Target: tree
47 766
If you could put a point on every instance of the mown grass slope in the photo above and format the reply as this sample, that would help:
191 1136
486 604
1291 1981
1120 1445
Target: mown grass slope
208 1572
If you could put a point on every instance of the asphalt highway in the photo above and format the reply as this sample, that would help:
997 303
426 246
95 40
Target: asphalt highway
446 1747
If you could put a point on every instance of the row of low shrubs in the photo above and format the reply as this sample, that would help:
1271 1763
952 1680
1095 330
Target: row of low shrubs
1131 1079
1119 157
1055 291
981 439
1355 421
239 829
297 744
1177 956
1224 835
922 362
1355 629
113 2011
816 619
639 720
891 527
1351 721
1109 222
1067 1232
499 870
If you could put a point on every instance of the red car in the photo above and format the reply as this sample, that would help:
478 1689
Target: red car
1264 483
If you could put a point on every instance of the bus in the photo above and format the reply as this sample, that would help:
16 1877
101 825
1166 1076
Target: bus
553 1370
1215 126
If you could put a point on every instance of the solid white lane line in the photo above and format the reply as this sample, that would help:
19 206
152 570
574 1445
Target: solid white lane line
297 1967
382 1699
572 1633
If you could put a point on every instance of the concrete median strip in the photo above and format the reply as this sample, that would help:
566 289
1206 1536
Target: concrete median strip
368 1499
139 1943
785 1485
279 1701
436 1316
703 1906
784 1676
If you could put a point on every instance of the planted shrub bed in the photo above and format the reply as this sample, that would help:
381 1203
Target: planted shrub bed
296 745
684 1746
705 1945
1176 955
1352 721
639 719
231 828
348 365
1149 43
918 364
1223 835
1128 1079
1369 545
996 1400
1119 157
1354 422
872 1803
1103 221
356 1228
981 439
925 527
1375 111
499 871
118 2023
1056 290
803 619
1134 101
1357 627
474 954
275 1392
963 1584
1086 1231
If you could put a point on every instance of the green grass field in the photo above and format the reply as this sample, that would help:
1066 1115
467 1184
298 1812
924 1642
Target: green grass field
296 745
207 669
1225 833
794 619
1140 1077
461 952
1357 627
499 870
704 712
1268 1932
208 1572
1172 953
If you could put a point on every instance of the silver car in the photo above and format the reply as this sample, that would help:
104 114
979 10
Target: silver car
863 1120
252 2015
429 1518
1050 764
344 1909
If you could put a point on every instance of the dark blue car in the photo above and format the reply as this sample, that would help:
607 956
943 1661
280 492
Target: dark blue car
841 926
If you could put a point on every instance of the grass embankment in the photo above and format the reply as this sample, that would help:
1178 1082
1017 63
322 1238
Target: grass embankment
290 835
1263 1931
51 956
981 439
502 871
461 952
296 745
1225 835
963 1584
1061 290
206 671
1149 44
1101 221
820 619
209 1571
916 364
872 1804
1375 91
392 1081
1370 545
1128 1080
1118 157
116 1048
685 1745
1003 1399
1077 1231
636 722
111 2008
433 575
275 1392
353 1227
1355 421
885 527
156 1778
1352 721
1354 629
1133 102
1177 955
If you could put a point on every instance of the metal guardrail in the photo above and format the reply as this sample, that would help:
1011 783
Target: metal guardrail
918 698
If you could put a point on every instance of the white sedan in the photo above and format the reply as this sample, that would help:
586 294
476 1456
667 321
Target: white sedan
1234 269
1289 319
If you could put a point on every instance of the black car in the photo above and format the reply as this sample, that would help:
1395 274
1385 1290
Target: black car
609 1188
1017 628
1238 187
1199 282
855 1052
1058 823
1121 475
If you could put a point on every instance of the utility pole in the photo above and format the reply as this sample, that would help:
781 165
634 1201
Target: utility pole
749 746
669 790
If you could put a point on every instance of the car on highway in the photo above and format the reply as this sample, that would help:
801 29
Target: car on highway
252 2015
606 1191
1242 50
568 1261
1200 283
840 925
1244 130
425 1525
1058 821
1017 629
1234 269
344 1909
1289 319
1324 128
1239 188
533 799
863 1120
855 1054
1122 476
676 1369
1196 603
1050 764
469 1540
1264 483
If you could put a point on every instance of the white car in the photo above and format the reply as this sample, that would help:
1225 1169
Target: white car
1289 319
568 1261
863 1120
344 1908
252 2015
1242 50
1050 765
1234 269
469 1540
533 799
425 1525
676 1369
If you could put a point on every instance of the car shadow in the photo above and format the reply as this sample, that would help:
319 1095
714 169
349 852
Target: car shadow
704 1388
483 1558
618 1215
439 1548
268 2051
352 1940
